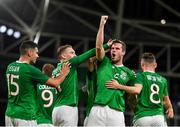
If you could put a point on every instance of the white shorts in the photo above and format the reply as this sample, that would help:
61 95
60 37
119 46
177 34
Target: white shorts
105 116
19 122
65 116
154 121
45 125
85 121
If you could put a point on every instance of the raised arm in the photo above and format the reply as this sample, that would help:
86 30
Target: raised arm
99 50
55 82
100 53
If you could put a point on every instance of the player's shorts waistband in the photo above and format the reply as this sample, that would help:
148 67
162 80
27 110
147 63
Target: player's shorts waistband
103 105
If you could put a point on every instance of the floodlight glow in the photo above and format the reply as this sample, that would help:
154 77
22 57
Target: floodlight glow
10 32
3 29
17 34
163 21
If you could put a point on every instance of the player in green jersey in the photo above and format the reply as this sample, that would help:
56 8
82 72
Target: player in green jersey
152 94
45 99
109 104
22 78
67 99
91 85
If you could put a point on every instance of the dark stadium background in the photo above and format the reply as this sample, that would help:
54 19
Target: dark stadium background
75 22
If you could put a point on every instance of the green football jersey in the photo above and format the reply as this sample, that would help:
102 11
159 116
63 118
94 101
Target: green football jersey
69 87
45 101
150 100
91 85
112 97
22 79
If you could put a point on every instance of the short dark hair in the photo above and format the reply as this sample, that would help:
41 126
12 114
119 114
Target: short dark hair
61 49
121 42
27 45
48 69
148 57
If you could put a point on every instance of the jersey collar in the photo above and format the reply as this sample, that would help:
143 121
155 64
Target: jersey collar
149 71
22 61
118 65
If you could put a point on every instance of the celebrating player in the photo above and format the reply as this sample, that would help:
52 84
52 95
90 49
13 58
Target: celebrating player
45 99
22 78
65 112
91 85
152 94
109 103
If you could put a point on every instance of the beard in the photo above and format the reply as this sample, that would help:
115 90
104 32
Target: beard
115 59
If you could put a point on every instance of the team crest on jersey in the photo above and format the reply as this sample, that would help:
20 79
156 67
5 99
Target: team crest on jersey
121 75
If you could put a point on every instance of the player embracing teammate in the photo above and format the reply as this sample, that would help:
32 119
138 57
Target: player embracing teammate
113 79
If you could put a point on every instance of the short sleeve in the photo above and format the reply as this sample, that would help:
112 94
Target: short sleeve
132 78
139 79
165 88
37 76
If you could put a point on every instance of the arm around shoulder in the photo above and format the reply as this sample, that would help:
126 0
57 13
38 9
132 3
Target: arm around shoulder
55 82
113 84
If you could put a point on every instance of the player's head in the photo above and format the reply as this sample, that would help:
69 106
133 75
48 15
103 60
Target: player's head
48 69
117 50
92 64
30 50
65 52
148 60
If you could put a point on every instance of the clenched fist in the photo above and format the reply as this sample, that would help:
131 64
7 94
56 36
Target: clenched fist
104 19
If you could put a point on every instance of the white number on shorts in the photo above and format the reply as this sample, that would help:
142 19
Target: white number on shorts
154 90
47 96
11 81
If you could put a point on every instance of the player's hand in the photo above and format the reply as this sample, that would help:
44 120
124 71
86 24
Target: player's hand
170 113
113 84
92 59
58 89
109 43
65 68
104 19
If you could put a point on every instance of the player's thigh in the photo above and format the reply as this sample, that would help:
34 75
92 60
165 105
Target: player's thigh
157 120
97 116
55 116
19 122
65 116
70 115
143 121
8 121
114 117
85 121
